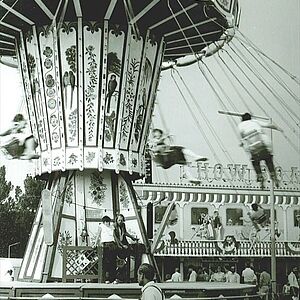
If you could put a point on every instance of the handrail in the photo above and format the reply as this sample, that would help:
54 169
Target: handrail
240 248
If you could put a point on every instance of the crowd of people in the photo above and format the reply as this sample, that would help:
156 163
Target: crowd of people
113 240
229 273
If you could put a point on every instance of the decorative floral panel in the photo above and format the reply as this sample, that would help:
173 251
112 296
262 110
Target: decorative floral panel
142 100
89 89
130 83
50 86
116 39
68 60
92 79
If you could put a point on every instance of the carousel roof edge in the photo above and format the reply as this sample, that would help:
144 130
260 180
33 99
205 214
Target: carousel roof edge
188 26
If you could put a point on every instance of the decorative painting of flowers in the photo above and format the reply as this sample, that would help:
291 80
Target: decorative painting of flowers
97 188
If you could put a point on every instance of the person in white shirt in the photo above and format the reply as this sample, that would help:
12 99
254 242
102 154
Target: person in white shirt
192 274
294 285
105 239
233 276
258 144
150 291
249 275
176 276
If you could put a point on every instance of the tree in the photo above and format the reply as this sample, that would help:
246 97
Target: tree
26 207
7 207
17 213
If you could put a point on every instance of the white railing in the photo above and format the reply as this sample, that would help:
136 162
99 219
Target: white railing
216 248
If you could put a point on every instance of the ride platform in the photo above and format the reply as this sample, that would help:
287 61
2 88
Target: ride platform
123 290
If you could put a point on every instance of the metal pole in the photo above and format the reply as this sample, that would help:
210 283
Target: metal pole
11 245
237 114
273 242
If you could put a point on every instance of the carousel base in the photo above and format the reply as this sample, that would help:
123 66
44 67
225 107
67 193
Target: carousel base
124 290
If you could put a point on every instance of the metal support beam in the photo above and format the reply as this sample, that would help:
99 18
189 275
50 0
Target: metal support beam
141 224
162 226
190 26
172 16
144 11
16 13
45 9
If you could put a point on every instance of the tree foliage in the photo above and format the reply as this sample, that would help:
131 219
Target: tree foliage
17 213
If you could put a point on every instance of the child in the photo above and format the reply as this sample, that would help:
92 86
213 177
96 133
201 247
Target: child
167 156
21 145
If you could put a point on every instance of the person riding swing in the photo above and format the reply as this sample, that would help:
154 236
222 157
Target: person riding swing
166 156
257 143
22 145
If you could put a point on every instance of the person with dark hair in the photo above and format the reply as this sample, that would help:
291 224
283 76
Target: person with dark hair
22 144
192 275
233 276
105 239
258 144
120 236
166 156
257 216
150 291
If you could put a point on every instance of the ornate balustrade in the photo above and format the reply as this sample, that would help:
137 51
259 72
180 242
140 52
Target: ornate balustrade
240 248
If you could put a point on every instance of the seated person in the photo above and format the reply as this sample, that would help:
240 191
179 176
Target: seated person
21 145
166 156
257 216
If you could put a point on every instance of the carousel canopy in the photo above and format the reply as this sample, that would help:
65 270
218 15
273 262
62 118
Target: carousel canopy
186 25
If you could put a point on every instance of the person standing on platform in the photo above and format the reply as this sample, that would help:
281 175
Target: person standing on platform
176 276
105 238
150 291
248 275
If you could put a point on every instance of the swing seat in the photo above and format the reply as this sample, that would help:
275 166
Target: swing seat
172 156
13 149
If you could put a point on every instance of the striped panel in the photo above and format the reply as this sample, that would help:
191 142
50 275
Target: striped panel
218 198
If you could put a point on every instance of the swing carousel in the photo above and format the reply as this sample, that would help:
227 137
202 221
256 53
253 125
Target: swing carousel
90 71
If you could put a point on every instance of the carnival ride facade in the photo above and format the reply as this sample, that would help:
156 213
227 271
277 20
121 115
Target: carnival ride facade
90 71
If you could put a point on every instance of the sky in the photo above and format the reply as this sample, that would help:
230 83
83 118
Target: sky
274 27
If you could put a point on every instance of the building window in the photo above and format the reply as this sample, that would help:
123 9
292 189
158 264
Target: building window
198 214
234 216
159 213
297 218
